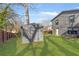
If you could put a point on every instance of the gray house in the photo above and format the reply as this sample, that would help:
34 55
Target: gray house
66 23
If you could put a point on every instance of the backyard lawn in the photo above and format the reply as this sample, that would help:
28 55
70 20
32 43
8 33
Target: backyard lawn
51 46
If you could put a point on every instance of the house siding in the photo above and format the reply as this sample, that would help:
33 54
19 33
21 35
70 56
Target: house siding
64 22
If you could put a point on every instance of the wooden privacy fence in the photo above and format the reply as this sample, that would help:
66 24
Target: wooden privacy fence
4 35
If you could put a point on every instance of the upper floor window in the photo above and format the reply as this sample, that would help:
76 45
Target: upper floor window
57 22
72 18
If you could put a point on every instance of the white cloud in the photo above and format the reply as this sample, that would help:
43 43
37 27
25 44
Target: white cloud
77 7
43 21
45 13
44 17
49 13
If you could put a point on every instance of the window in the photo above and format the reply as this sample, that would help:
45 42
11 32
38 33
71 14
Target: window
57 22
72 32
71 18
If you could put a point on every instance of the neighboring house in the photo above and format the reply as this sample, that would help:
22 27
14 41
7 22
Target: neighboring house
47 29
66 23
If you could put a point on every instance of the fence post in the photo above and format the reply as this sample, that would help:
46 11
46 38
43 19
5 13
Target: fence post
2 36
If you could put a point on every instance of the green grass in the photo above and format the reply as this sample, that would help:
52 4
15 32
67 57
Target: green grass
51 46
8 47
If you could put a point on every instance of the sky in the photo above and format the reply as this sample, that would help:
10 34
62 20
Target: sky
44 12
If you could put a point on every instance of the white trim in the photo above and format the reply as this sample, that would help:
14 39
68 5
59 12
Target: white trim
57 32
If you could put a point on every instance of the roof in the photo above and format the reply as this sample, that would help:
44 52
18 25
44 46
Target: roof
66 12
34 25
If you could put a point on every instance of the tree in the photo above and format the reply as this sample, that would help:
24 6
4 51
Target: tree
3 15
7 18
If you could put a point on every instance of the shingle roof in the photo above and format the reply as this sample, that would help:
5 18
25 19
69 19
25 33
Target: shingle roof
67 12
